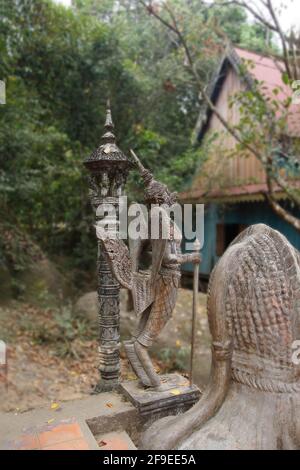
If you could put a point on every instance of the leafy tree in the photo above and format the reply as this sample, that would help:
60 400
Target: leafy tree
167 107
262 130
59 67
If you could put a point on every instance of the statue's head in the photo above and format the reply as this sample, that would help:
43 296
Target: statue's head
158 193
259 277
155 192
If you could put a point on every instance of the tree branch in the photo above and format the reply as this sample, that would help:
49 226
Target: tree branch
282 36
279 210
174 27
266 160
258 16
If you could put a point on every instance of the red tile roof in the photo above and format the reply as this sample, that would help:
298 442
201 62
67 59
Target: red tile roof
244 192
267 70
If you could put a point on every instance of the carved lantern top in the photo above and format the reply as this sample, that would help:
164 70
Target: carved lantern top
108 154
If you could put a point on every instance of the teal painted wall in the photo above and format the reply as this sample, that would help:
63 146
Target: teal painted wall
243 213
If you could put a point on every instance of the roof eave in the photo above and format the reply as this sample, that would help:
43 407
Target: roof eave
230 57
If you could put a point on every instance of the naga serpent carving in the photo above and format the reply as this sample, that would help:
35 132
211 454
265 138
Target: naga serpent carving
154 289
253 397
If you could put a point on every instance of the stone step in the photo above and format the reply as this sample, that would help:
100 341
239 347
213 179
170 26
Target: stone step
118 440
177 397
74 425
65 434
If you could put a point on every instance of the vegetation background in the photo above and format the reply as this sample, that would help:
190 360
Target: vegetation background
60 65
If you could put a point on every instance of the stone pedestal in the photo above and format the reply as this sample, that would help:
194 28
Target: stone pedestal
178 397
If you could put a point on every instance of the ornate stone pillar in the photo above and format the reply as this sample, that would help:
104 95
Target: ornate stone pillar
109 169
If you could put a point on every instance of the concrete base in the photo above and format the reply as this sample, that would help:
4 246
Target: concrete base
177 398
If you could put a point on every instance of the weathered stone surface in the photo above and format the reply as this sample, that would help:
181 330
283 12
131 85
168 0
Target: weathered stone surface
153 287
178 396
87 306
172 346
252 400
109 169
43 284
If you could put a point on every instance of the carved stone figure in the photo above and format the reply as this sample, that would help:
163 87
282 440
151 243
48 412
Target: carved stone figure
252 400
154 288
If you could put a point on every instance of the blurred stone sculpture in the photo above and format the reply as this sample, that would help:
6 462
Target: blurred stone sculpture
154 289
253 397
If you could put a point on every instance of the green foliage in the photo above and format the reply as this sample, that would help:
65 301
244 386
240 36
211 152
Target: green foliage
174 360
60 65
233 21
62 329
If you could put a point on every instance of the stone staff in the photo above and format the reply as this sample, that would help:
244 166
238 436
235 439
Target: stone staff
195 295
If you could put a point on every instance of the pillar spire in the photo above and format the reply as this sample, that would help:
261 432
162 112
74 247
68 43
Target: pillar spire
108 136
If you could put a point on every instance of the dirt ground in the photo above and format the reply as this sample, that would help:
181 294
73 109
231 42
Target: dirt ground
53 358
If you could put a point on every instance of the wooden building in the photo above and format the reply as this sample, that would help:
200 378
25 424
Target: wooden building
231 187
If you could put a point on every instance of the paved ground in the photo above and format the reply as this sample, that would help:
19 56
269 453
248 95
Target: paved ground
102 422
52 363
93 423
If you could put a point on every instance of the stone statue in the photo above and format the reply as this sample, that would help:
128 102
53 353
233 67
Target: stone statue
153 288
253 397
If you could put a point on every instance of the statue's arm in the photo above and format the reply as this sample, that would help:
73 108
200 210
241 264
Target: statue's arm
179 258
173 256
189 258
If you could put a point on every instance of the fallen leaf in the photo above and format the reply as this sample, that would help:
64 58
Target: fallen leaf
54 406
50 420
131 376
178 343
109 405
175 392
102 443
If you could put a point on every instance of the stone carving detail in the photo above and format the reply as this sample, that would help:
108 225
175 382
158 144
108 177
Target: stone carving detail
108 292
252 400
154 290
108 168
120 260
